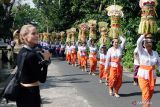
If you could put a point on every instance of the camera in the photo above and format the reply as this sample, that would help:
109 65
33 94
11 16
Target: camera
39 50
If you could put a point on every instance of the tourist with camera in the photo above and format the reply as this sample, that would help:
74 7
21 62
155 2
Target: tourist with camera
34 69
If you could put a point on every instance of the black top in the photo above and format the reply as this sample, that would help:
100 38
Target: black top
32 70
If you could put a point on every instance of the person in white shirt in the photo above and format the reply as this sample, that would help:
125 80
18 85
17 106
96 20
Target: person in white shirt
78 53
114 66
57 49
92 56
148 59
73 54
62 49
53 46
136 66
68 53
83 55
102 72
13 43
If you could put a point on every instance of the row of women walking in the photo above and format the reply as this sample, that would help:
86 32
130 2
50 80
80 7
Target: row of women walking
110 63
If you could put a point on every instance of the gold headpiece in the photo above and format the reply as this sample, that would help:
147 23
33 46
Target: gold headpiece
58 35
73 30
103 26
45 36
53 36
150 2
115 10
41 36
62 32
68 31
54 33
83 26
92 23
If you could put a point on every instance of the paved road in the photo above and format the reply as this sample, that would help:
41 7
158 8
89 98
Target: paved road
97 94
68 86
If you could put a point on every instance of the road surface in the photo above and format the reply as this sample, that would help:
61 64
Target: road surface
68 86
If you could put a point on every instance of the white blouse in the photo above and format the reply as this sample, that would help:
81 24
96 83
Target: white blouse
102 57
141 2
79 49
83 50
92 49
68 48
146 59
136 57
114 53
73 48
62 46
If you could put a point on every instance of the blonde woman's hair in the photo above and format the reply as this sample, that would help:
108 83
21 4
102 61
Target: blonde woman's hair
24 31
16 36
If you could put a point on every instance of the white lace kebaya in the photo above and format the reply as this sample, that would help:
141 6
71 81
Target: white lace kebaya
146 59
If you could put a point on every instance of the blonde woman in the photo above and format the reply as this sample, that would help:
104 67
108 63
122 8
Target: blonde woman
34 69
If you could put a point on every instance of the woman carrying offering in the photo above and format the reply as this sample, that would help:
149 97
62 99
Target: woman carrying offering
147 73
83 55
92 56
114 66
73 54
102 73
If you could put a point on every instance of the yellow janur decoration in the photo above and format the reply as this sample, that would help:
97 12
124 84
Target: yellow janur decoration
115 12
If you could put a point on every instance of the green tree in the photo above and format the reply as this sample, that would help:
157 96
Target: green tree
58 15
6 18
23 14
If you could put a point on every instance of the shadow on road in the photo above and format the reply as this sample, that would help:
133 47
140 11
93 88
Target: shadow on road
45 101
55 59
131 94
124 82
52 82
66 80
71 75
157 85
136 94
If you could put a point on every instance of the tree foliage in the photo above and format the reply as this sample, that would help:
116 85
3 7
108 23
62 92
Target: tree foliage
58 15
23 14
6 18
